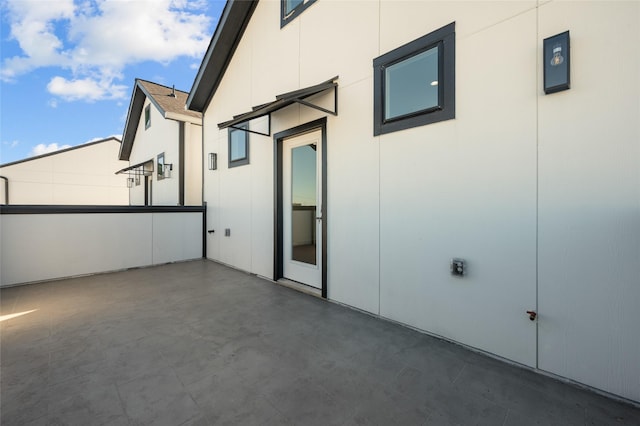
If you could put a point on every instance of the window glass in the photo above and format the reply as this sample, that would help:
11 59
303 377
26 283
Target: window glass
238 145
147 117
160 166
289 5
290 9
412 85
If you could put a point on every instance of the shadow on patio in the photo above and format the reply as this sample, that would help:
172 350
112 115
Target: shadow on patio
199 343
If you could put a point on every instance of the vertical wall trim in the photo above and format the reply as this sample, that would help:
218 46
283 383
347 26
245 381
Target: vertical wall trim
146 191
6 189
379 138
537 226
181 163
204 203
204 231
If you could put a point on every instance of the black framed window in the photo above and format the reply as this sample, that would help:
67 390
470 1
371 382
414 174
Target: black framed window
147 117
414 84
290 9
160 166
238 146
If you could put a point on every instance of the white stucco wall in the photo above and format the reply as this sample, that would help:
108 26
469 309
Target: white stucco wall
163 137
539 194
38 247
193 164
589 200
83 176
160 137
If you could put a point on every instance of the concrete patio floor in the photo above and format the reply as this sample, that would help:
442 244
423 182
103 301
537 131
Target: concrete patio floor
198 343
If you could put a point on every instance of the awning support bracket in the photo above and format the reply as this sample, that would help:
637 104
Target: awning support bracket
282 101
245 129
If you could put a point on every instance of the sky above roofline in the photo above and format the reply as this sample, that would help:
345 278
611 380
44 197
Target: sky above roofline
68 67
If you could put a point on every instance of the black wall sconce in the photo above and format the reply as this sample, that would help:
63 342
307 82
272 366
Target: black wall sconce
129 182
213 161
168 168
556 62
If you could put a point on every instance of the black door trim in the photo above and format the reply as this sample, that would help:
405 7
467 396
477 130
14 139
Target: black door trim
278 248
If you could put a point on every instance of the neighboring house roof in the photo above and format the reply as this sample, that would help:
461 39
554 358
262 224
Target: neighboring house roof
170 103
231 26
84 145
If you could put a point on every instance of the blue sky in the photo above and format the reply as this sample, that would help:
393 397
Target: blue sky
68 66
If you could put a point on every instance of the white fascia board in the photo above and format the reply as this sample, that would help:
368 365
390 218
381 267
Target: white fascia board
182 117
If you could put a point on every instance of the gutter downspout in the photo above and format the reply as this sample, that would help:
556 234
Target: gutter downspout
6 190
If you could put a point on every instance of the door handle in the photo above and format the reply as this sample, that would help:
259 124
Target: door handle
318 217
532 315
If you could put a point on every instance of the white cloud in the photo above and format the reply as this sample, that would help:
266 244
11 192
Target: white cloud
45 149
95 40
85 89
32 26
11 144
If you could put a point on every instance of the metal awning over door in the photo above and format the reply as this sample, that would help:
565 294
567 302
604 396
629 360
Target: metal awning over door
298 96
145 168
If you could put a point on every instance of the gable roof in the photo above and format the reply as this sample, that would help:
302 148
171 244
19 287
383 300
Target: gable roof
60 151
233 22
171 108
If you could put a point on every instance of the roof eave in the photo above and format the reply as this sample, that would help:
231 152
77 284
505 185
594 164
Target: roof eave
182 117
131 124
225 40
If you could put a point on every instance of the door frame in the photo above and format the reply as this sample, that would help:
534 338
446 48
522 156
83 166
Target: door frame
278 240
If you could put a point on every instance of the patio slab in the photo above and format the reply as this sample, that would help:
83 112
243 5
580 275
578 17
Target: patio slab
198 343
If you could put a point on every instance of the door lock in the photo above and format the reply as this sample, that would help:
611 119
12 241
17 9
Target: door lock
532 315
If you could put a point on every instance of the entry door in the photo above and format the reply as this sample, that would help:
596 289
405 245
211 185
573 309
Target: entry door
302 208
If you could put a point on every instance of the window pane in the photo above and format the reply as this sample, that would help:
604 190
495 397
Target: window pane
238 145
304 201
412 85
291 4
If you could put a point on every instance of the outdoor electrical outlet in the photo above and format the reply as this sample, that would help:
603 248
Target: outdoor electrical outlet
227 232
457 267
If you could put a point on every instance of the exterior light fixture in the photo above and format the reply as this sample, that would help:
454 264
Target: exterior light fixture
556 63
213 161
129 182
166 172
137 178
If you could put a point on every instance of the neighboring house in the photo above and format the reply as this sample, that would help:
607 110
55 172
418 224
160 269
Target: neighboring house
80 175
163 143
443 146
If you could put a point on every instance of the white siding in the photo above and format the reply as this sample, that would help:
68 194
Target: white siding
39 247
589 221
81 176
539 194
163 136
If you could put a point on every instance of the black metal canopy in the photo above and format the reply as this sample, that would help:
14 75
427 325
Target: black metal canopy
282 101
145 168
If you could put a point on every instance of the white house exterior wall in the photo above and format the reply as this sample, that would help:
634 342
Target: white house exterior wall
539 194
81 176
163 137
192 164
589 200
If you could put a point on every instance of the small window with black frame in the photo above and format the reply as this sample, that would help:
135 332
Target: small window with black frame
290 9
160 166
414 85
147 117
238 145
